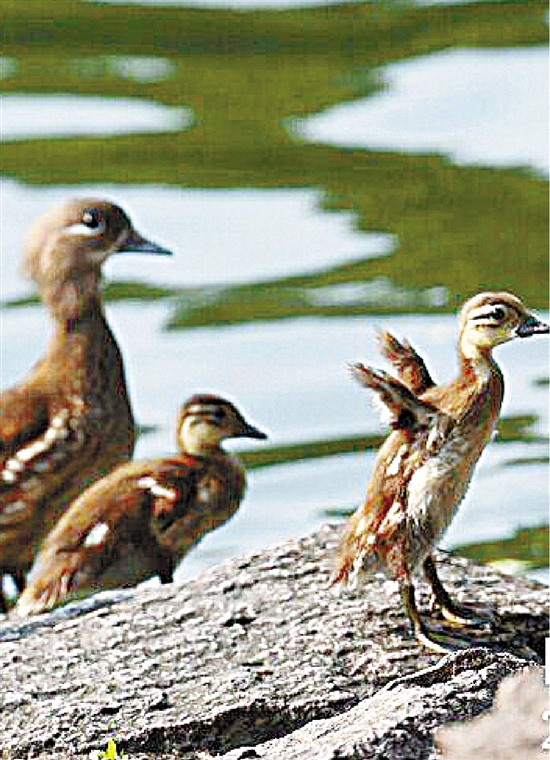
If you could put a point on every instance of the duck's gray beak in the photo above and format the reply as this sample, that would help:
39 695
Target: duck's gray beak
249 431
532 326
135 243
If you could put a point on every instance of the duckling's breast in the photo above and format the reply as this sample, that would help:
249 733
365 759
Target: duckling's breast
435 491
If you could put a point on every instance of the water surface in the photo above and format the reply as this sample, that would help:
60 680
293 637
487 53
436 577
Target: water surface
32 116
476 106
290 247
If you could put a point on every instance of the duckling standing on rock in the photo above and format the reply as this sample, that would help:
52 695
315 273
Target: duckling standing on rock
142 518
69 421
423 469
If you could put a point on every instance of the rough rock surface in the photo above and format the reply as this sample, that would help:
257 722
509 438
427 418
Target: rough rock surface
512 730
257 658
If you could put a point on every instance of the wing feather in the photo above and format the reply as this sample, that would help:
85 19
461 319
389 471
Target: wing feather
409 365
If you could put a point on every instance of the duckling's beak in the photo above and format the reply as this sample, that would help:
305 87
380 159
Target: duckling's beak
532 326
249 431
135 243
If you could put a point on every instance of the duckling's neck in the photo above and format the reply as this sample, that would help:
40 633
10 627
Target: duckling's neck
476 360
203 450
194 442
481 387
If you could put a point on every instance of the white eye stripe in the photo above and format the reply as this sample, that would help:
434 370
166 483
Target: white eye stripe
14 464
82 230
205 409
492 313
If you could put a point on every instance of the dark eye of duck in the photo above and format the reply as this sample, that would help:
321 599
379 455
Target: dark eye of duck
219 414
489 315
92 219
498 313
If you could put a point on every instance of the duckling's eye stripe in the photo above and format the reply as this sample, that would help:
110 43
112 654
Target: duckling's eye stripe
496 313
203 409
84 230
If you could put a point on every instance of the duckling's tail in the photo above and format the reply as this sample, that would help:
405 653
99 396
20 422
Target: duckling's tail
357 550
53 578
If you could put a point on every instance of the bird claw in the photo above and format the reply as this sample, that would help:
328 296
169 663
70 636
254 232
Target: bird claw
460 616
441 641
467 620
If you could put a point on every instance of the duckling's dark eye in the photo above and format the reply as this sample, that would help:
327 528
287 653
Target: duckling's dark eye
219 414
498 313
92 219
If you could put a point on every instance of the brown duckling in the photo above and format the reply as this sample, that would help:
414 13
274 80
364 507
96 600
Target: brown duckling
423 470
142 518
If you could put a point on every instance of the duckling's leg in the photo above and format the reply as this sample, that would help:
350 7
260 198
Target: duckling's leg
451 611
3 602
165 566
20 580
439 641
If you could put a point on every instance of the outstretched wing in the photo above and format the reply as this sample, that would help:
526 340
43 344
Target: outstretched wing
408 412
420 429
409 365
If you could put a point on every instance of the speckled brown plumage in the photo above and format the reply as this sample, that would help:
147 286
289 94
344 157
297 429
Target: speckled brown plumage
142 518
423 470
69 421
408 364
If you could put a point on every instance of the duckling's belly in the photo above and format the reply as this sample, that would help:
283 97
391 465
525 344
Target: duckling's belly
434 494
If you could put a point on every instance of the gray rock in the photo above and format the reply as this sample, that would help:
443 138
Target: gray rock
398 723
516 728
249 655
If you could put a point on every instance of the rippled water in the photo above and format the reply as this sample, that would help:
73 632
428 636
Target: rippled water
292 380
487 107
216 236
293 239
31 116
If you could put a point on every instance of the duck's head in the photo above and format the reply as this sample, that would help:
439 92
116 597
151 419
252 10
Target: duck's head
489 319
71 240
206 420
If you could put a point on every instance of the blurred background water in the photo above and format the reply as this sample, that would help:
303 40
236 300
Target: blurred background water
318 172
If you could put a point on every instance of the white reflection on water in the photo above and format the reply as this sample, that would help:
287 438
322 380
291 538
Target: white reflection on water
33 116
138 68
291 378
272 4
236 4
8 67
217 236
376 291
478 106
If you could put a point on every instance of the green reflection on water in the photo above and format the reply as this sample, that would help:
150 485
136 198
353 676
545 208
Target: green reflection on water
245 75
528 547
511 429
113 291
